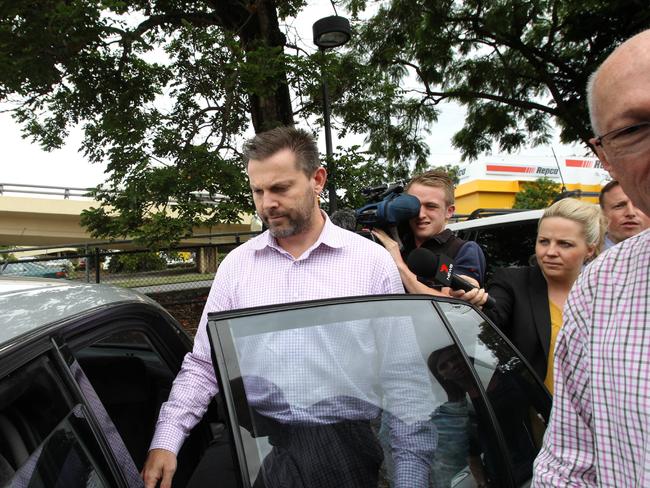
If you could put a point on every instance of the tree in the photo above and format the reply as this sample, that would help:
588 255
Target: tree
514 64
451 170
162 90
537 194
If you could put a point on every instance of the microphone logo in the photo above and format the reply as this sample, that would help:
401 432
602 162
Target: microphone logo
447 270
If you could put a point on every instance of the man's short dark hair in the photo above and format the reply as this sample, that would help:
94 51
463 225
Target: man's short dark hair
302 143
605 189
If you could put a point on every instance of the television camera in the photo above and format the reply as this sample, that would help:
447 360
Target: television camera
387 207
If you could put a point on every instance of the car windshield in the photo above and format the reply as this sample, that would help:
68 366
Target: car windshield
375 390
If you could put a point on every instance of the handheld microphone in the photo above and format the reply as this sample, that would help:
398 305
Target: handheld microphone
440 269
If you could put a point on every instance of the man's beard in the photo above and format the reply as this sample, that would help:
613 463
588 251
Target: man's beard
297 219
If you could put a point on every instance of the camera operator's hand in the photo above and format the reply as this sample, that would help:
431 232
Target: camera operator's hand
477 296
409 279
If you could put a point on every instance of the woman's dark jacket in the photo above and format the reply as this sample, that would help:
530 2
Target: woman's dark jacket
522 312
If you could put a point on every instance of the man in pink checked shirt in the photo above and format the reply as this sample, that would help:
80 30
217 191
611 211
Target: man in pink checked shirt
302 256
599 432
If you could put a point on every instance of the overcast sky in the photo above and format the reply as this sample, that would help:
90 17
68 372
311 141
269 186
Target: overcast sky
25 163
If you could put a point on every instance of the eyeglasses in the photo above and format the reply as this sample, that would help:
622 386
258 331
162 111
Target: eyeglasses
627 141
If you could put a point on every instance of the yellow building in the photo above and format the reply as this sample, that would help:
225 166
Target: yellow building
494 183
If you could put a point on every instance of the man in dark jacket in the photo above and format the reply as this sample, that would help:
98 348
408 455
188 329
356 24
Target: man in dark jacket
435 191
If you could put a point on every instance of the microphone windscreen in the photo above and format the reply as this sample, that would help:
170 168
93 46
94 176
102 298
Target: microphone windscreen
345 218
423 263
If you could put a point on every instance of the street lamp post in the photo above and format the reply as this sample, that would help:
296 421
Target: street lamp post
330 32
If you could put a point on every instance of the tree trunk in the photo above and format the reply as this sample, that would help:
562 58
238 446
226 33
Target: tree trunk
257 24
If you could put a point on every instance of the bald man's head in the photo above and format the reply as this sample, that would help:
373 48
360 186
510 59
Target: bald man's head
619 107
624 61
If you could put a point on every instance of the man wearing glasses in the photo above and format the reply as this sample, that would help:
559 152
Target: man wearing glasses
599 432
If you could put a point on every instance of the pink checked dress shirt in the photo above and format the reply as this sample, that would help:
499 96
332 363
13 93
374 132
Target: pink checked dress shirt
260 272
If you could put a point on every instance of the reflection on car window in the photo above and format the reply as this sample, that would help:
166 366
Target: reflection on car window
345 395
520 404
61 460
43 442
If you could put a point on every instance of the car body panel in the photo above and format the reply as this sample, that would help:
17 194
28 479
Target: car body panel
33 269
28 304
496 220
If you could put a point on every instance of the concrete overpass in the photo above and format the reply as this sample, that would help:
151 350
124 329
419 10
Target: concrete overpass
50 221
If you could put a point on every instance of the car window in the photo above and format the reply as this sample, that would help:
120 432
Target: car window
507 245
378 386
46 439
519 402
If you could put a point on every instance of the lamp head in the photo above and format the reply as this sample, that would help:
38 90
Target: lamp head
330 32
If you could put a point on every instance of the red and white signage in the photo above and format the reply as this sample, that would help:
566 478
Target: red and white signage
572 169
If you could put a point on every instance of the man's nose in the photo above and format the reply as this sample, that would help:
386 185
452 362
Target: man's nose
269 201
630 209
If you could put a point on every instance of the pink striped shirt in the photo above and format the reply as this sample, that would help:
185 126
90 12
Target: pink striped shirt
259 272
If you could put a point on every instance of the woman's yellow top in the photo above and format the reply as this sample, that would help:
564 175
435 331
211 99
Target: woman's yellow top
556 325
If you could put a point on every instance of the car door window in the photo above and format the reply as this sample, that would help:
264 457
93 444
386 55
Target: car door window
369 392
46 440
519 402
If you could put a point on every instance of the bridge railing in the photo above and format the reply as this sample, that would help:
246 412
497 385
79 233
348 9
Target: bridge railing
62 191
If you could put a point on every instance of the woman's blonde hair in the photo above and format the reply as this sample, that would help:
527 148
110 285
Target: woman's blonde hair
588 215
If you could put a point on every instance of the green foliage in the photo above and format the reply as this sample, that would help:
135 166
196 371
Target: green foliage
537 194
6 256
515 65
135 262
451 170
357 170
166 91
163 92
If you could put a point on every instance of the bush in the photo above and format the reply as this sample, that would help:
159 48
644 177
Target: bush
131 263
537 194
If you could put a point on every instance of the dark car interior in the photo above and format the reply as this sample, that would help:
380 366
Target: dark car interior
132 381
504 246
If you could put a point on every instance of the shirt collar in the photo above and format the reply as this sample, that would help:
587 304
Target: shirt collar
331 235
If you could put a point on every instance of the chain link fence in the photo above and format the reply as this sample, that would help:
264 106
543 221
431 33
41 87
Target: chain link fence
179 278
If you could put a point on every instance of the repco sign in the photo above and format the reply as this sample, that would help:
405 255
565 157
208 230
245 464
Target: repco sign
508 169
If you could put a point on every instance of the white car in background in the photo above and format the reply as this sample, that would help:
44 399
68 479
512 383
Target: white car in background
507 239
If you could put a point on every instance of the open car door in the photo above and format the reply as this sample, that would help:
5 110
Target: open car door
398 390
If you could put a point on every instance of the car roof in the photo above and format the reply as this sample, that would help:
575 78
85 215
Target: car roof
30 303
497 220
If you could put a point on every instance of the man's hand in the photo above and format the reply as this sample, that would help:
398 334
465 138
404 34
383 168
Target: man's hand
160 465
477 296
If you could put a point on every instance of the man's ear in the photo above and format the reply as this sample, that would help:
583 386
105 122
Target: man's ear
602 156
450 212
319 179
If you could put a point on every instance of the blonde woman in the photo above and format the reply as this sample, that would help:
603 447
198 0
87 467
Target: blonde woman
530 299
